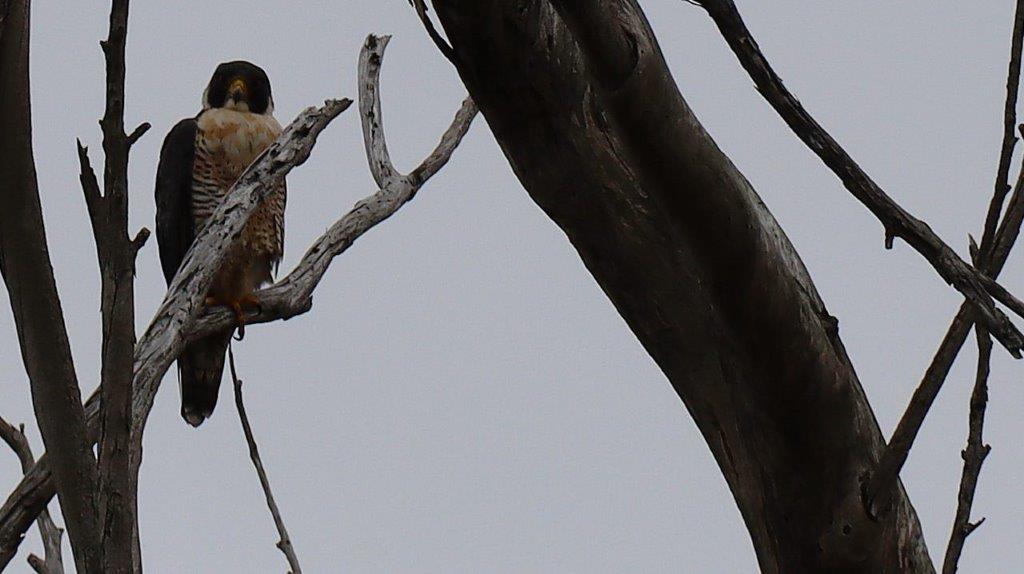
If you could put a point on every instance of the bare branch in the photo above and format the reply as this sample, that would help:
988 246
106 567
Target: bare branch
140 239
877 488
137 133
1002 185
164 339
165 336
896 220
90 186
990 261
369 110
116 495
285 543
974 456
15 438
678 240
293 295
173 324
48 531
442 46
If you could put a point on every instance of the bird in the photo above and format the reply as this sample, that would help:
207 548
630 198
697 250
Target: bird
201 158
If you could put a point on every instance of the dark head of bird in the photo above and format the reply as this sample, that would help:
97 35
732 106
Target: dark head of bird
240 86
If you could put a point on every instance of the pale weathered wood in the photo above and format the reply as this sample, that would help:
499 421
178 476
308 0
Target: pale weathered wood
48 531
165 337
174 324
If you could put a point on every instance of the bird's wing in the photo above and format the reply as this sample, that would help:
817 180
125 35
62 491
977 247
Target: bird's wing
175 227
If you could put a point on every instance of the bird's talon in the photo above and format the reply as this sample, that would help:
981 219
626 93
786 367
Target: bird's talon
252 301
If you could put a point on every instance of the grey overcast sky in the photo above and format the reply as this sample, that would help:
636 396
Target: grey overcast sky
463 398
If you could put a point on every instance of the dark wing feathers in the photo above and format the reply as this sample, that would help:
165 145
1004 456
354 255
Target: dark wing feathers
175 228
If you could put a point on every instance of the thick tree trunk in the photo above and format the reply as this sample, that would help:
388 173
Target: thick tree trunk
602 140
25 265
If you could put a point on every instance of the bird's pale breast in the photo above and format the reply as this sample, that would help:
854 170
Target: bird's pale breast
227 141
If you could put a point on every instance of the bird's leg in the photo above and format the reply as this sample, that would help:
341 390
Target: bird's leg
251 300
247 300
236 308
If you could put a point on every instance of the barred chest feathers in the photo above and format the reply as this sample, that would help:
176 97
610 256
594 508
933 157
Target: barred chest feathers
227 141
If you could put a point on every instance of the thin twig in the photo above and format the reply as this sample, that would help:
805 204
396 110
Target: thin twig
1002 185
878 485
442 45
48 531
976 451
974 457
285 543
990 260
896 220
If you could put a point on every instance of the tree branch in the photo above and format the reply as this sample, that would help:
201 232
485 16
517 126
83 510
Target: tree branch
1002 185
991 260
877 487
163 340
974 456
174 325
896 220
285 543
421 10
48 531
696 265
118 492
292 295
35 303
369 110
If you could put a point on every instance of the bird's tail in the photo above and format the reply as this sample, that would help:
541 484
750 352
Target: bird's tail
200 368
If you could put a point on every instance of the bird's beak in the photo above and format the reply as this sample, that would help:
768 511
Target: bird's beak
238 90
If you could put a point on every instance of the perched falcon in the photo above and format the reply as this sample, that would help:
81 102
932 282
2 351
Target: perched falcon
200 160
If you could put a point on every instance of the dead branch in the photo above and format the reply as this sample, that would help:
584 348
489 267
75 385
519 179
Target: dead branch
117 494
976 451
991 262
53 562
421 10
293 295
35 303
977 284
1002 185
164 338
696 265
974 457
285 543
174 323
381 168
896 220
877 487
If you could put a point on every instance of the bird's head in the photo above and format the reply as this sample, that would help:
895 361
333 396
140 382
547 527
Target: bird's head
240 86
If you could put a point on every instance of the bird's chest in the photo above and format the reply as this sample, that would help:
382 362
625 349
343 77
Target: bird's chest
228 141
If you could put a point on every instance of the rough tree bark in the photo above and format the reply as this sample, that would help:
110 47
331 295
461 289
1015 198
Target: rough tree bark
682 245
108 213
25 264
